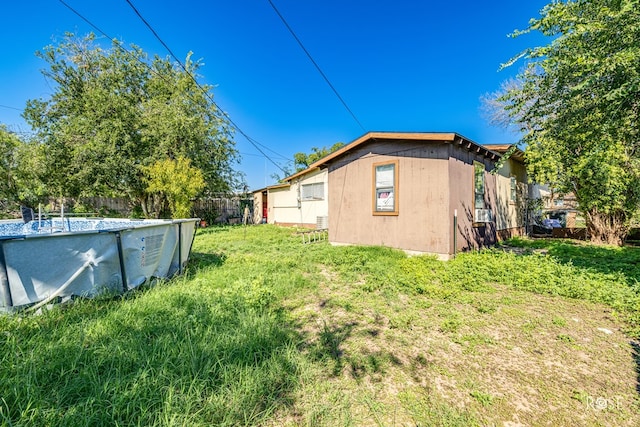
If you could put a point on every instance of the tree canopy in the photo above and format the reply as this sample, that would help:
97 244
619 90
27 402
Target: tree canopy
176 182
9 144
577 104
303 160
19 162
114 112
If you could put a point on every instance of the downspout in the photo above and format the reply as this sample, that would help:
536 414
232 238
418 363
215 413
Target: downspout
299 200
455 232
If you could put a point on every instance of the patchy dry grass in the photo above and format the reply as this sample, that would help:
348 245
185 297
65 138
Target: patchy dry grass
501 357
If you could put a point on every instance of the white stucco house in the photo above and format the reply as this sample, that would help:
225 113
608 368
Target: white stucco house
300 200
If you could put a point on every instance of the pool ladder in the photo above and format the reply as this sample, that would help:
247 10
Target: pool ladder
51 229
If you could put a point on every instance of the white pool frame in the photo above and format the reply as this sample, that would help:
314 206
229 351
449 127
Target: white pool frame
87 257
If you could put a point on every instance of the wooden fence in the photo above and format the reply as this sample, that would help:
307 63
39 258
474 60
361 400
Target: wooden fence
214 210
106 205
222 210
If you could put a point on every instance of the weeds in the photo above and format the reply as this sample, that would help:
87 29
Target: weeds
568 339
483 399
263 330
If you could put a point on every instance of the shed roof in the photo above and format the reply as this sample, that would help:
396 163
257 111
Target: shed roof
450 137
272 187
518 154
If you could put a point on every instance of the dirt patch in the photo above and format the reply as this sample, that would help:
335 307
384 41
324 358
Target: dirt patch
530 360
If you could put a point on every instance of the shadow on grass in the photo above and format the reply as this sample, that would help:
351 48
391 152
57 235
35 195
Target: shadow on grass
328 347
201 259
621 261
329 342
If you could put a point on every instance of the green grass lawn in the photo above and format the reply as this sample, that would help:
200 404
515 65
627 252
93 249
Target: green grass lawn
265 330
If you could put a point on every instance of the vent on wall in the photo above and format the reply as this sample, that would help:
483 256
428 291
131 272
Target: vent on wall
482 215
322 222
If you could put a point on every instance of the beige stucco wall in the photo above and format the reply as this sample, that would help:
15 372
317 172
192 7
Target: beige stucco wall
284 206
509 214
435 180
470 234
257 207
312 209
460 174
422 224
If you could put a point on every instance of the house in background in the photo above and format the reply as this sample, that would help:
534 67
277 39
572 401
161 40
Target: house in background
420 192
300 200
260 206
512 193
559 208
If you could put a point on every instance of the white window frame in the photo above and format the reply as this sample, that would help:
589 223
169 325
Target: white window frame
513 189
312 192
479 178
385 188
481 213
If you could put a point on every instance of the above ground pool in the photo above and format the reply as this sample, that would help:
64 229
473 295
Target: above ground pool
47 260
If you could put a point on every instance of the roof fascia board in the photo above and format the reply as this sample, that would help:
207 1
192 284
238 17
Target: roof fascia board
394 136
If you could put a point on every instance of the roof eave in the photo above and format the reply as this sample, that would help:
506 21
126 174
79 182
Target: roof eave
450 137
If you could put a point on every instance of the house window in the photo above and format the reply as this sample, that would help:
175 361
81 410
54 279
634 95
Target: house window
313 191
481 212
514 189
558 202
385 188
478 185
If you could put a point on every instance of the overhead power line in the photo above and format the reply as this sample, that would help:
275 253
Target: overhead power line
95 27
10 108
324 76
253 142
207 94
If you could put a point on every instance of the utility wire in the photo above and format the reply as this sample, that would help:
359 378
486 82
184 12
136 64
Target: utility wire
326 79
206 93
85 19
10 108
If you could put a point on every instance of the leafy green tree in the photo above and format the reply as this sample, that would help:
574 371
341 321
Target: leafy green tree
577 104
9 144
30 174
20 165
176 182
302 160
114 112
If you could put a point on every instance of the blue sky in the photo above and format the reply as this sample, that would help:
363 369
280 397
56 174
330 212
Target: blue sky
402 65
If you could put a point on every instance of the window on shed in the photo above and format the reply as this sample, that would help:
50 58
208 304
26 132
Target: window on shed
313 191
385 188
514 189
478 185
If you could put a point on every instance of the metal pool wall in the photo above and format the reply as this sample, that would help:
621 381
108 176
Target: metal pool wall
40 262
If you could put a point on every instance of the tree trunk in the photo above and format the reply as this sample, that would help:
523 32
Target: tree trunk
154 206
609 229
142 200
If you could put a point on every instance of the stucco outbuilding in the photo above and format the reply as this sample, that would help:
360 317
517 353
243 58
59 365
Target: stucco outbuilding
422 192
